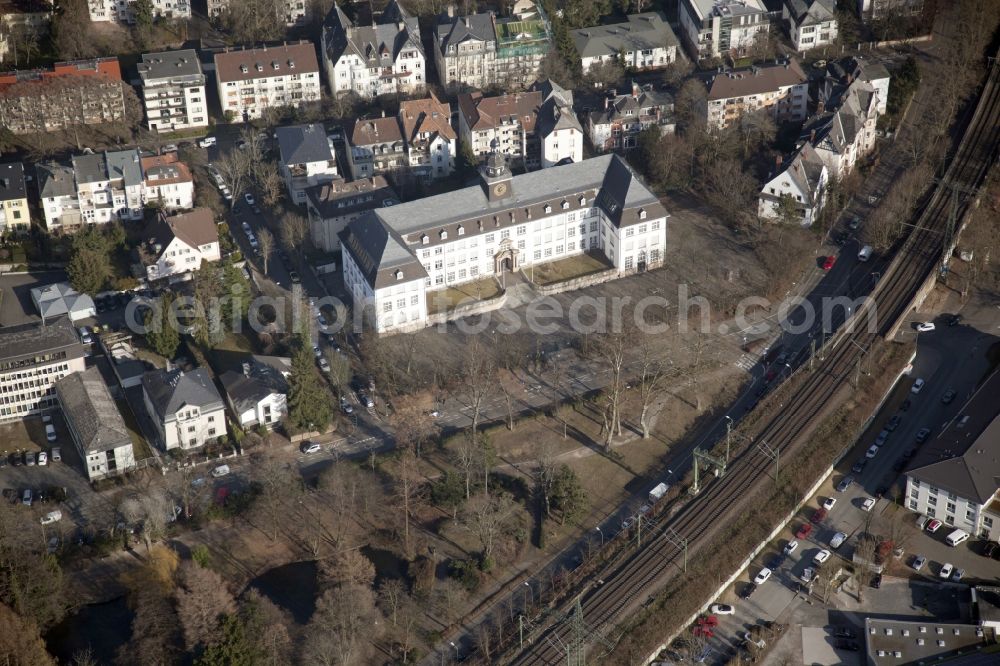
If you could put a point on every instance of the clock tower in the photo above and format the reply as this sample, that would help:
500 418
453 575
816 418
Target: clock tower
495 174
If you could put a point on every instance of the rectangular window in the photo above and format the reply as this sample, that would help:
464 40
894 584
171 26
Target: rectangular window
211 432
537 255
656 225
387 306
932 501
628 261
548 252
593 226
505 233
490 238
451 276
415 299
950 507
521 230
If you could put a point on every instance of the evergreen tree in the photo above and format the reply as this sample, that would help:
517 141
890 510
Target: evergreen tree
308 401
161 336
88 271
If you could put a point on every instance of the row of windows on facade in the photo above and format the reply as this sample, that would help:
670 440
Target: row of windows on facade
27 395
38 359
25 408
970 515
523 230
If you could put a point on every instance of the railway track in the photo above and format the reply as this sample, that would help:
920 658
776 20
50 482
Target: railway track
919 254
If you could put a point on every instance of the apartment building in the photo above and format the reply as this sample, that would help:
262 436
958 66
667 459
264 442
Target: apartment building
397 259
847 133
57 191
167 182
15 216
253 80
781 89
179 244
797 191
29 17
123 11
617 126
307 158
173 90
478 51
811 23
331 206
95 424
384 57
954 477
33 357
509 120
82 92
185 407
644 41
714 28
419 141
109 186
560 136
294 12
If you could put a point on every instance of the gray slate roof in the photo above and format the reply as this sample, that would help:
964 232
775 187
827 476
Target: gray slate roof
125 164
90 168
91 412
641 31
55 180
453 30
12 181
556 109
338 197
170 390
35 338
811 12
640 102
377 44
966 460
303 143
254 383
60 298
183 63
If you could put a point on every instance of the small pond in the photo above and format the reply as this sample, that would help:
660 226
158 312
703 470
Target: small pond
102 627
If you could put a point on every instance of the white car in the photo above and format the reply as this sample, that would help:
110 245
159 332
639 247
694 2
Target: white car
249 198
762 577
917 385
50 433
791 547
872 452
85 336
207 141
722 609
837 540
868 504
51 517
828 504
925 326
821 557
946 570
43 458
309 448
221 470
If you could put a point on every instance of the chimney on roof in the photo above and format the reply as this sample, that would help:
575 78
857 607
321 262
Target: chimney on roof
467 21
777 161
451 11
635 90
246 369
821 107
812 136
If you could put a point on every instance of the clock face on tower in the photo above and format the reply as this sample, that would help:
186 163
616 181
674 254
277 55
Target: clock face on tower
499 189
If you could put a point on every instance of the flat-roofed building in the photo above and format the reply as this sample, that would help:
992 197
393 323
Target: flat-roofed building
33 357
173 90
781 89
713 28
15 216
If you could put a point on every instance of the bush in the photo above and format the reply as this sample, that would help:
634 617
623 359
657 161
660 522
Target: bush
466 572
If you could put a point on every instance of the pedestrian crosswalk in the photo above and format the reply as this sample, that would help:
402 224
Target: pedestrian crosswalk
747 361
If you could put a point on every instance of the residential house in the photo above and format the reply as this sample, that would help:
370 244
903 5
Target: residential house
57 191
123 11
251 81
811 23
33 357
385 57
307 158
508 119
478 51
797 191
714 28
331 206
83 92
15 216
185 407
396 260
22 20
98 430
173 90
644 41
257 394
418 141
955 476
429 137
294 12
840 74
167 182
560 136
848 133
109 186
781 89
179 244
618 124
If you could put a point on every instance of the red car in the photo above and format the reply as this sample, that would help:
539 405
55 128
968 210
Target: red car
829 262
708 621
818 516
804 531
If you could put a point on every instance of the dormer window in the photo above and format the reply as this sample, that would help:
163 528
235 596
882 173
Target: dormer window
443 235
461 230
642 214
565 205
243 68
291 64
424 240
399 275
275 65
260 67
583 201
548 208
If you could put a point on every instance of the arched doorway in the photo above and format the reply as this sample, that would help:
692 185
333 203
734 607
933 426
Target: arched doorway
506 259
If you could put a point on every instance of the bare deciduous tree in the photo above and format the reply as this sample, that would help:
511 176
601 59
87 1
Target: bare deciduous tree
265 241
488 517
202 598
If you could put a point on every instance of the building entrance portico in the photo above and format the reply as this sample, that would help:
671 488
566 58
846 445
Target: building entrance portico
506 259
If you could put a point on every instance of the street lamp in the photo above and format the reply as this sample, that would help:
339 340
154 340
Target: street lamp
531 593
602 537
452 643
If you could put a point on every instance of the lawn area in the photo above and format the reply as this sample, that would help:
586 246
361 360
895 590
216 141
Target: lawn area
569 268
443 300
140 448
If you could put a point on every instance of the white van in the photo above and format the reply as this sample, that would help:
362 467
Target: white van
866 253
957 537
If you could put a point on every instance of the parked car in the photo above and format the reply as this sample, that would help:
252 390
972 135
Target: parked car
894 422
790 547
918 385
748 591
294 277
249 199
946 571
50 433
859 465
918 562
85 336
877 581
56 454
43 458
845 483
220 471
933 526
804 531
762 577
722 609
207 141
51 517
27 497
309 448
818 516
829 503
872 451
922 435
821 557
829 262
868 504
346 406
29 458
324 364
905 407
955 319
854 224
925 326
948 396
837 540
882 438
958 575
